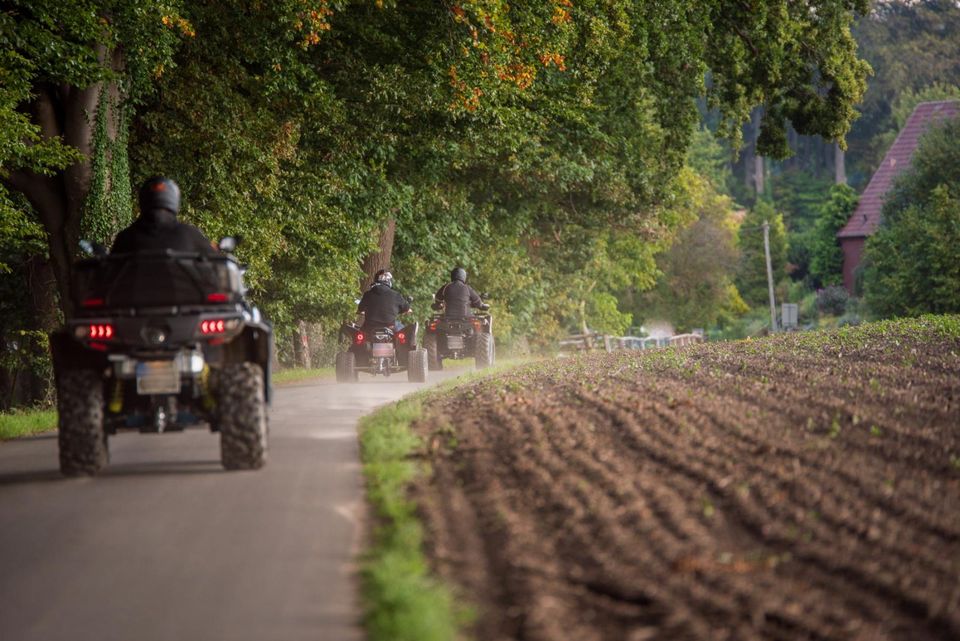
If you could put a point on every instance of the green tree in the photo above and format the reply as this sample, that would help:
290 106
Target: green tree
695 288
826 263
913 260
710 158
74 65
911 45
752 272
327 131
800 194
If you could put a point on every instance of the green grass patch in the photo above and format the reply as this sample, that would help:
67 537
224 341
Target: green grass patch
402 600
298 374
26 422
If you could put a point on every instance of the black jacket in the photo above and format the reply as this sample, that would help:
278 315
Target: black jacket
381 305
457 299
159 229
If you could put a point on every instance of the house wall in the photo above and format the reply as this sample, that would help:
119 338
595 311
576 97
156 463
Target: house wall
852 253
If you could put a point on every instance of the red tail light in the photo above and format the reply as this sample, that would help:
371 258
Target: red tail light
101 331
402 338
358 339
476 324
433 326
93 302
216 326
217 298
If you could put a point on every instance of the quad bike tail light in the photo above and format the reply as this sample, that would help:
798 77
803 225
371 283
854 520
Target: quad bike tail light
477 324
433 326
402 338
358 339
95 331
214 326
217 326
100 331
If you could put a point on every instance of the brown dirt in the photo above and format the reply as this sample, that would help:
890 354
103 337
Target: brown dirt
797 487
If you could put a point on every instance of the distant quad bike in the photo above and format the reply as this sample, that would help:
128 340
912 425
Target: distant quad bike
460 338
161 341
383 351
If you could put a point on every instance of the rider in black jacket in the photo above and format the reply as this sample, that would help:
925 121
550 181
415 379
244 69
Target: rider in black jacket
157 228
457 298
381 304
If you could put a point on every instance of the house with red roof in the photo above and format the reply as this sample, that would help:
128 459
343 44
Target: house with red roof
865 220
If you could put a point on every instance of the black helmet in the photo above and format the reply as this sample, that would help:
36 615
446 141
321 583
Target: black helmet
384 277
459 273
160 193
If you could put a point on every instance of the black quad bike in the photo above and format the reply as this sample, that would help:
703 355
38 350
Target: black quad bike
161 341
460 338
381 351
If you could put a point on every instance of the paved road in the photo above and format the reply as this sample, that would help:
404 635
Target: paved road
165 545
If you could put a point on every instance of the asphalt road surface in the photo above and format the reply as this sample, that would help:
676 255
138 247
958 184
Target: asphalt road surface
164 544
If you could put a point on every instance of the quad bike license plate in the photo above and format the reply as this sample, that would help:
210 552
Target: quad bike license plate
158 377
382 349
454 342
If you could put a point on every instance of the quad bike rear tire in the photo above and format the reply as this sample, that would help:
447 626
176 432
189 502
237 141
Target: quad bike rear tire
485 351
242 411
417 366
434 362
82 440
346 367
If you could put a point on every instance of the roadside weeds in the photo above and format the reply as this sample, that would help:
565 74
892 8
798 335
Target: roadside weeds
402 599
26 423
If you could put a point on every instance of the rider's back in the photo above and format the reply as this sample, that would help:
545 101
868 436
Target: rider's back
458 298
381 305
158 230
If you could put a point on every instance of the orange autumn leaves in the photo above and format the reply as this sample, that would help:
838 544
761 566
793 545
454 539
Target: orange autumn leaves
501 53
180 23
312 21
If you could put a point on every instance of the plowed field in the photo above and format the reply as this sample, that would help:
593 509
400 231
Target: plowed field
803 486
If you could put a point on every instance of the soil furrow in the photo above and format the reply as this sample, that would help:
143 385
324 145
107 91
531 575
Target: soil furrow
796 487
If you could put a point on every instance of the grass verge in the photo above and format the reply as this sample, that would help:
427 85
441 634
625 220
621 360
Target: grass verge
297 374
26 422
403 602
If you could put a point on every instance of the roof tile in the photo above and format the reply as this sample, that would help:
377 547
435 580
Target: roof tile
866 218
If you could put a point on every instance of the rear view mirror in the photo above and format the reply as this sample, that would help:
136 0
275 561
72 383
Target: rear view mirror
228 244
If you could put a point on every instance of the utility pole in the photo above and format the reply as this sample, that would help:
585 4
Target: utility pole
766 251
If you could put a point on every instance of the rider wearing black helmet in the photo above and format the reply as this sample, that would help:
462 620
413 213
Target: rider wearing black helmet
456 297
381 304
157 228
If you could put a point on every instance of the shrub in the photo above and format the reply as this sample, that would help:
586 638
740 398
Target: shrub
832 300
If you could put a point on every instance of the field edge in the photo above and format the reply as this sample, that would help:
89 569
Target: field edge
401 597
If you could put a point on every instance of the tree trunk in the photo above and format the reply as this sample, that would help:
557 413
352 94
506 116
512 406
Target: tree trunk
758 160
45 310
303 347
68 112
379 259
749 153
839 165
759 175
